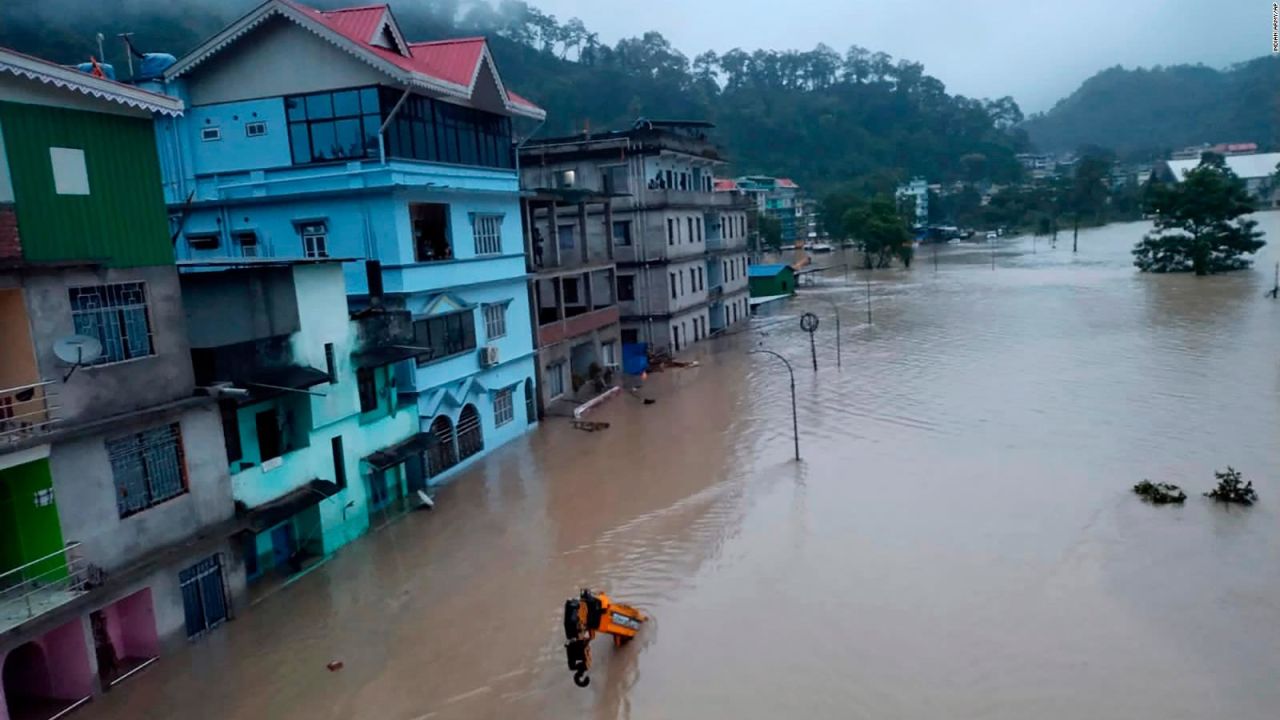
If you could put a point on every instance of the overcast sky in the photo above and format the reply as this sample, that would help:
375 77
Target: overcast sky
1035 50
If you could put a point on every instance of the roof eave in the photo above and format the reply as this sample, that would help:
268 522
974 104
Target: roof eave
74 80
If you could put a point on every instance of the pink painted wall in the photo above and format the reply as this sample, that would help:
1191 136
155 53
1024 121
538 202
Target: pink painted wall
67 656
131 623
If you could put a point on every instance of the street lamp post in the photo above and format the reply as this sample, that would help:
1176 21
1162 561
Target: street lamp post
795 424
809 323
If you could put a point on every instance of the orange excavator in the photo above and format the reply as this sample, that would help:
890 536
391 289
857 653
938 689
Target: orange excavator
590 613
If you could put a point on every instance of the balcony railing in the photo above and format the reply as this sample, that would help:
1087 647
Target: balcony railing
27 410
42 585
715 292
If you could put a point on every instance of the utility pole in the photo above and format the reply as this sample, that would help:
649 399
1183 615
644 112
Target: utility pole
101 54
795 424
868 299
1275 291
836 309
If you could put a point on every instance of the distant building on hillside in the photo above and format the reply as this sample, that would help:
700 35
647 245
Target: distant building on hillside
780 199
1257 170
917 190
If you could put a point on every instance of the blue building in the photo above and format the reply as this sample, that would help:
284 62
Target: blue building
314 134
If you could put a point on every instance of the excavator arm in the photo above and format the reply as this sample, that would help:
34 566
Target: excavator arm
590 613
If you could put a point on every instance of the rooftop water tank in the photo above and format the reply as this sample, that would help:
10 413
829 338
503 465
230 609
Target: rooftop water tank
154 64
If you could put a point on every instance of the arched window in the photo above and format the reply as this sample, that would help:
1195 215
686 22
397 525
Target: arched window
470 434
440 454
530 405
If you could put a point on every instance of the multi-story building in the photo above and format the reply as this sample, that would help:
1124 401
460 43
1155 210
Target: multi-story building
679 246
319 445
918 192
569 239
314 134
116 515
778 198
1257 170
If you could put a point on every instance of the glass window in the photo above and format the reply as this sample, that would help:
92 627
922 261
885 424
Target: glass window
495 320
487 232
445 335
116 315
566 233
148 468
346 103
626 287
503 408
430 225
367 383
555 380
334 126
621 232
319 106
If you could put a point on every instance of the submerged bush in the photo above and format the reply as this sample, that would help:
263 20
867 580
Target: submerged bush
1233 488
1159 493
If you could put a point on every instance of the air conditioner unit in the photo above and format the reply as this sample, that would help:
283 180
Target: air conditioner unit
489 355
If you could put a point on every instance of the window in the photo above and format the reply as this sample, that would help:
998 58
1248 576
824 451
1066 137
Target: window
671 232
315 240
257 128
682 281
204 241
148 468
609 354
248 242
470 434
330 363
446 335
702 280
339 462
440 450
670 181
329 126
270 438
626 288
621 232
699 226
566 178
430 224
367 383
436 131
673 286
503 410
630 336
566 233
571 290
210 134
555 380
487 231
495 320
530 403
70 174
615 180
116 315
204 598
689 222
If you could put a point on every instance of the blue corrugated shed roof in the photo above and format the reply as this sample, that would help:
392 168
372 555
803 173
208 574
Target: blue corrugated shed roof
765 270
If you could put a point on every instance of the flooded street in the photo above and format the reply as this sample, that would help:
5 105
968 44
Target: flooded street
959 541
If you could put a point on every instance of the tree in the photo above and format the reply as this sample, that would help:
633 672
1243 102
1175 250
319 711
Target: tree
881 232
1199 223
1088 192
770 229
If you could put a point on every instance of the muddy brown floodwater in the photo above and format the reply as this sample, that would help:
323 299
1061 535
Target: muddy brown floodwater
958 542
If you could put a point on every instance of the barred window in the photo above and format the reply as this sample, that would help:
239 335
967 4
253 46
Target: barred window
503 410
495 320
148 468
117 316
470 435
487 230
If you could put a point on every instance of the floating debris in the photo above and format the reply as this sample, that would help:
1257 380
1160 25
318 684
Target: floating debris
335 666
590 426
1160 493
1232 488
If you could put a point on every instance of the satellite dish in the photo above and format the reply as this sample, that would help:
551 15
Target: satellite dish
77 350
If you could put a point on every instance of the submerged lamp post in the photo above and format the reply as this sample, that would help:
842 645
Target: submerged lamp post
809 324
795 425
835 308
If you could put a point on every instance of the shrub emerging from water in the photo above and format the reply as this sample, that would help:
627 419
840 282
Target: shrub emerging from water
1159 493
1232 488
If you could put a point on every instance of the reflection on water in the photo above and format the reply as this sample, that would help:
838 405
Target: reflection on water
959 540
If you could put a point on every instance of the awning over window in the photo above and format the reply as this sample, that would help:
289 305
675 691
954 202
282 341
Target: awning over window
277 511
268 382
386 355
393 455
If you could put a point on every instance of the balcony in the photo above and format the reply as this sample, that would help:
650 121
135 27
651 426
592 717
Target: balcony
715 292
42 585
558 330
658 197
27 411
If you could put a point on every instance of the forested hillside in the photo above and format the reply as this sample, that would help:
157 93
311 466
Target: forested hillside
820 116
1144 112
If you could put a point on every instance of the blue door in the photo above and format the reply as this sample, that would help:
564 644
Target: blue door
283 545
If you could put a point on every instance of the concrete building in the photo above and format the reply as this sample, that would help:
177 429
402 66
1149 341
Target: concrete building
1257 170
918 192
680 247
116 514
319 445
314 134
570 236
778 198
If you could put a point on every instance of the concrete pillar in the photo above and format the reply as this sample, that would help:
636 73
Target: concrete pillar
608 229
584 252
554 234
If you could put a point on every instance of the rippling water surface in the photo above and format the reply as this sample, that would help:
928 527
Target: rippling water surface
958 542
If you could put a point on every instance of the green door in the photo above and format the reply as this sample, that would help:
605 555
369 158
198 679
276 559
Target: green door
29 527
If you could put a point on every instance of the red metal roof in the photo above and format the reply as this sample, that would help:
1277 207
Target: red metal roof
787 183
725 185
450 61
454 61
